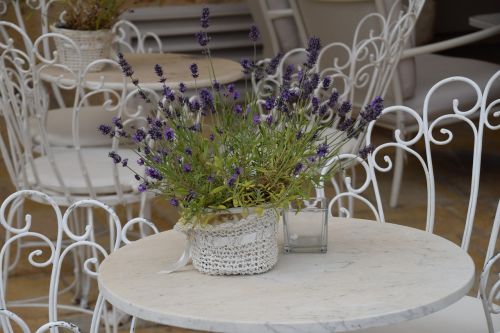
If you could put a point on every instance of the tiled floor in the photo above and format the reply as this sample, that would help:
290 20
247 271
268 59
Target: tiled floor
452 165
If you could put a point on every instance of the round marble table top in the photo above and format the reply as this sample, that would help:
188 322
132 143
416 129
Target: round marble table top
373 274
175 67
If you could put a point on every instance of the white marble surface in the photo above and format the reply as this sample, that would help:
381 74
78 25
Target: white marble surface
373 274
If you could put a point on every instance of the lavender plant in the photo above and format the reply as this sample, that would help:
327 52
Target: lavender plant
216 150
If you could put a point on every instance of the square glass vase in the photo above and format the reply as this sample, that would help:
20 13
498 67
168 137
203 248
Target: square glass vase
305 226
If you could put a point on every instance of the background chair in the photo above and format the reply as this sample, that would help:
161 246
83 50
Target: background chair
70 238
418 69
69 173
485 108
127 39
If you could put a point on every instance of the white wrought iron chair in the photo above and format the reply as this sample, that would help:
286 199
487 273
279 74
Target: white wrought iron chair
71 238
127 39
418 69
469 315
67 174
484 108
359 72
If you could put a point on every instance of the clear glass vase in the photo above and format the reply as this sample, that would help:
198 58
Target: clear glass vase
305 226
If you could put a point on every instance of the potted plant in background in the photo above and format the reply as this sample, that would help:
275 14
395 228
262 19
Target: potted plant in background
231 164
88 24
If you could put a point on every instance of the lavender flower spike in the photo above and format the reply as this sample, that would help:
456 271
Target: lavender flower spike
313 47
194 70
364 152
204 17
126 68
202 38
254 33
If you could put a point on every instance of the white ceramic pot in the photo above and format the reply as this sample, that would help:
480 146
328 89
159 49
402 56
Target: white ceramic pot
93 45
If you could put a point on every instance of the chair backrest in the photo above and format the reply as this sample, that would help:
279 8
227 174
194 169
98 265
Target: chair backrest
483 108
81 247
489 292
384 28
72 172
360 71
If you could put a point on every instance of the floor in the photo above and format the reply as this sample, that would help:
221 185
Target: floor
452 165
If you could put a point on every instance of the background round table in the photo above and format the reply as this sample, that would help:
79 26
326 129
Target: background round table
175 66
373 274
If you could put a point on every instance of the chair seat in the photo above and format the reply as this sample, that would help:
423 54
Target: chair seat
59 127
99 167
432 68
465 316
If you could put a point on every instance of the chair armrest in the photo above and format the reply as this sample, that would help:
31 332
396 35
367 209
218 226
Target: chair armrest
451 43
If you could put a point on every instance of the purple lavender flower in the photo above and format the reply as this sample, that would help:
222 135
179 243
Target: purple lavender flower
246 64
232 180
207 99
188 151
117 121
186 167
311 159
204 17
273 64
125 162
147 150
326 82
139 135
269 103
156 158
372 111
159 73
299 135
194 105
210 178
313 47
155 133
169 94
238 171
182 87
332 101
153 173
195 127
116 158
104 129
254 33
194 70
216 85
287 75
297 169
174 202
137 177
125 66
236 95
140 161
231 88
322 110
315 103
211 137
238 109
344 108
202 38
169 134
345 124
269 119
367 150
256 119
322 150
143 187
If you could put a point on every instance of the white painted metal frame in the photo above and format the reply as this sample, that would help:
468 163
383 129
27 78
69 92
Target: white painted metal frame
78 240
23 97
482 109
